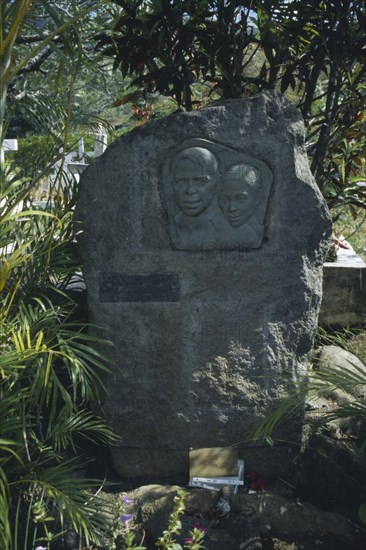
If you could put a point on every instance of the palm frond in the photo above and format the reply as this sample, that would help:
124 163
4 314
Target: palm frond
78 423
349 410
343 377
321 383
5 527
69 495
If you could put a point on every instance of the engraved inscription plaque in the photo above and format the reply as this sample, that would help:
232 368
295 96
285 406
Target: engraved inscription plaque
156 287
215 194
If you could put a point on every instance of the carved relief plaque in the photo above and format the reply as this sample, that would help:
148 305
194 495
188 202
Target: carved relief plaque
215 196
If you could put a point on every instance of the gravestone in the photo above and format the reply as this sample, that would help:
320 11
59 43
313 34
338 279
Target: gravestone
7 145
203 236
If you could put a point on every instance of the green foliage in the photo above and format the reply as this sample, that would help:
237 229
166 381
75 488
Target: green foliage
349 338
324 383
125 531
310 50
166 541
319 383
41 45
50 370
351 224
362 513
33 155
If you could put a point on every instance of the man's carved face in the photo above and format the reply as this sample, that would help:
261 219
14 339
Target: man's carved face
194 180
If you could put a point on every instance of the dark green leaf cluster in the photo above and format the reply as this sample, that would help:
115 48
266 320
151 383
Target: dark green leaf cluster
312 50
50 372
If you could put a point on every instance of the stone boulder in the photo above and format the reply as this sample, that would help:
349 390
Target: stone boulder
202 236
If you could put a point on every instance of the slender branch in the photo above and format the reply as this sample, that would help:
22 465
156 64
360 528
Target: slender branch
311 87
30 39
7 42
334 89
33 65
10 74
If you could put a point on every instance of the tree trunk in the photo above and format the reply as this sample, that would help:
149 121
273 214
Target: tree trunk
4 64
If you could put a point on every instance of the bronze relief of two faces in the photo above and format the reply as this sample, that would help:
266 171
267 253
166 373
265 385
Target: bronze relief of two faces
215 196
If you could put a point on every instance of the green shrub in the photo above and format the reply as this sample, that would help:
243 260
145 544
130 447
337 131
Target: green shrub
323 383
49 372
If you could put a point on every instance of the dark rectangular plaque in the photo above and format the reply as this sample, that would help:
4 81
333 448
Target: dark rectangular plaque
157 287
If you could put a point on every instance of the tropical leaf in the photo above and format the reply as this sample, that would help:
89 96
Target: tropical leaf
5 527
78 423
61 488
320 383
50 368
362 512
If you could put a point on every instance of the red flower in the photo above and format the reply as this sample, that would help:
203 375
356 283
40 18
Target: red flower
255 481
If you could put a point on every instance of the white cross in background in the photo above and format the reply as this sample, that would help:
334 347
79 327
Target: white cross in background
73 166
8 145
74 163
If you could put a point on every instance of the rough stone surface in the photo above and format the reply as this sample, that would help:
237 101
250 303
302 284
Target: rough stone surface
211 305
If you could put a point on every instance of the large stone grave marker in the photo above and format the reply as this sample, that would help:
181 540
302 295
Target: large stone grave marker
203 239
